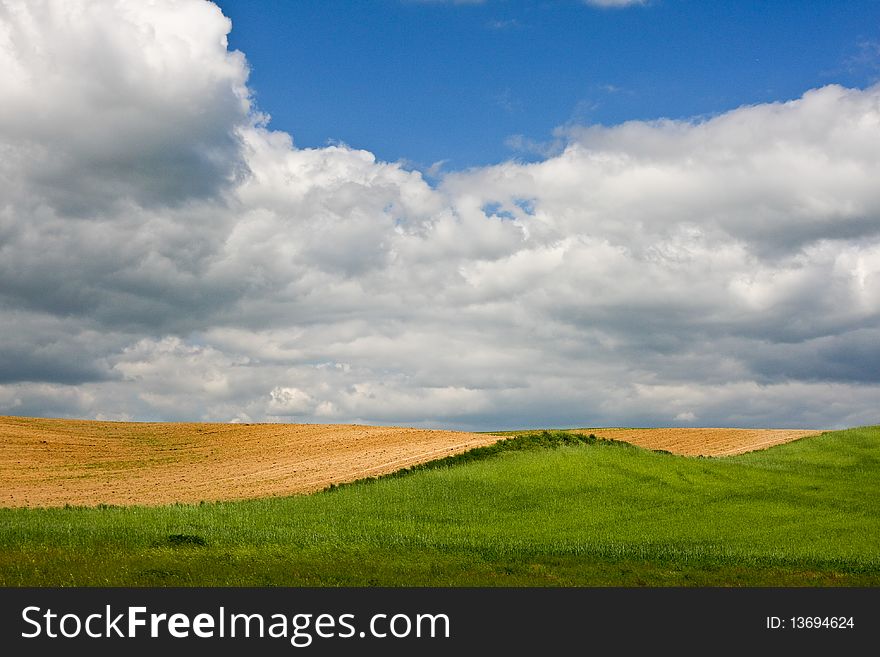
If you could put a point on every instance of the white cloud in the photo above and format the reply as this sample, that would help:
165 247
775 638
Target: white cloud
164 254
447 2
109 99
287 401
504 24
607 4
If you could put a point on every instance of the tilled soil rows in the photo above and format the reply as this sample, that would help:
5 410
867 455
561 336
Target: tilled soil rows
704 442
78 462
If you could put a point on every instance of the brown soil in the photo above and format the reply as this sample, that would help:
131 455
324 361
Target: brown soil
704 442
57 462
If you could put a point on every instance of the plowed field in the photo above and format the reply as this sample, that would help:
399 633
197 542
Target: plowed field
705 442
46 462
57 462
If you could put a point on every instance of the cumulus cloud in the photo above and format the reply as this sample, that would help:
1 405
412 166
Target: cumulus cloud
164 254
105 101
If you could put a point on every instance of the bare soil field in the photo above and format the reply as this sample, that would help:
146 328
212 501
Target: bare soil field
47 462
704 442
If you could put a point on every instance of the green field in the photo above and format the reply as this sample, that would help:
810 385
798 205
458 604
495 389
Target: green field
805 513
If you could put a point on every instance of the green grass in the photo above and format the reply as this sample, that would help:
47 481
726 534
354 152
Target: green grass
549 509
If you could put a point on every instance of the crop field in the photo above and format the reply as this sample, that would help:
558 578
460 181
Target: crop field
547 509
704 442
46 462
56 462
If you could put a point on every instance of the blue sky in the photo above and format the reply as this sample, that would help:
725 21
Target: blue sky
431 81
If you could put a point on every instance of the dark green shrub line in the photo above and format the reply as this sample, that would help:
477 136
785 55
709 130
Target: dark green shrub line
522 442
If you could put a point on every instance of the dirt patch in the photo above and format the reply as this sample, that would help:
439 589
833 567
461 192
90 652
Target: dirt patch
704 442
56 462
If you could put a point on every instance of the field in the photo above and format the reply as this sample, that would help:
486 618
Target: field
56 462
46 462
704 442
548 509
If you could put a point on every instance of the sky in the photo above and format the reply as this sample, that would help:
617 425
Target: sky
473 84
476 215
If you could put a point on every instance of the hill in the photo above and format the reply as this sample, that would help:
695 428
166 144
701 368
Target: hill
53 462
583 513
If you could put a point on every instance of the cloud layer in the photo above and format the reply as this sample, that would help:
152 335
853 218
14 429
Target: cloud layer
165 255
